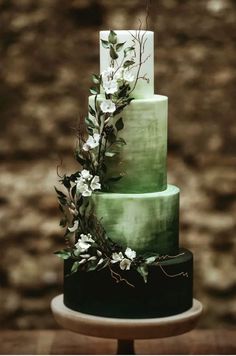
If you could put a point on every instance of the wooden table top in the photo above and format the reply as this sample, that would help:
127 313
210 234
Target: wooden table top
58 342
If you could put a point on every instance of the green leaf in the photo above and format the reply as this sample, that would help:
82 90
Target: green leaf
90 131
119 124
110 154
92 111
66 181
61 197
113 53
94 90
128 63
64 254
127 50
75 267
73 191
143 270
105 44
150 260
96 79
104 264
89 122
80 159
119 46
59 193
112 38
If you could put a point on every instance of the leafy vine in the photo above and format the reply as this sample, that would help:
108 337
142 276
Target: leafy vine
87 243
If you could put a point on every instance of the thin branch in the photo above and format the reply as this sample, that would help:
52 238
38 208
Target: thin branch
184 274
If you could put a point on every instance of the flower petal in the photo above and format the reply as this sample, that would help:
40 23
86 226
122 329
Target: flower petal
74 227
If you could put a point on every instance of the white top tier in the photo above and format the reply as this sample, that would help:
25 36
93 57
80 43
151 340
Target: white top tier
144 88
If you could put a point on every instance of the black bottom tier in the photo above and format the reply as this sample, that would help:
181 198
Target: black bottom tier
97 292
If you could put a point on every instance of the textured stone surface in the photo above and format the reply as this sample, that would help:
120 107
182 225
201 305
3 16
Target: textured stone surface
48 50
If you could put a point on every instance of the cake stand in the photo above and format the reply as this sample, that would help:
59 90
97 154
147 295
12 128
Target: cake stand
125 330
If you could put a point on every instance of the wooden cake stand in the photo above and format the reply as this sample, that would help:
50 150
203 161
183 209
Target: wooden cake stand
125 330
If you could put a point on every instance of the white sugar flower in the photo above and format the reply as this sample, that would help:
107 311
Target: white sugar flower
107 74
87 192
83 188
95 183
131 254
117 257
84 242
128 76
110 87
86 183
108 106
92 142
85 174
118 75
74 227
125 264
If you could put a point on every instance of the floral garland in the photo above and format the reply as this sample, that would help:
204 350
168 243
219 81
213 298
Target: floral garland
87 242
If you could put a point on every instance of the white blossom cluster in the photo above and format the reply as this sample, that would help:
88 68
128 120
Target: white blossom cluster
112 78
86 183
84 242
92 142
81 249
125 262
111 81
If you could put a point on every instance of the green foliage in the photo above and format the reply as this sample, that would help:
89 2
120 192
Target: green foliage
94 90
61 197
64 254
77 210
96 79
75 267
105 44
119 46
113 53
112 38
119 124
92 111
127 50
128 63
143 270
151 259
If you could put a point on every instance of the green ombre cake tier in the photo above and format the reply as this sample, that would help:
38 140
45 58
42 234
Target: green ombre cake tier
146 222
142 160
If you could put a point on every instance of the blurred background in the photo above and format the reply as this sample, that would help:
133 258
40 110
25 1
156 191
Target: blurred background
48 51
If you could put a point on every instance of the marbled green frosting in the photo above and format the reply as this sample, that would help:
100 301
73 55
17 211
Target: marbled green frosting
143 159
147 222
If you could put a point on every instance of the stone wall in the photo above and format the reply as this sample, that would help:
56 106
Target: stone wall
48 51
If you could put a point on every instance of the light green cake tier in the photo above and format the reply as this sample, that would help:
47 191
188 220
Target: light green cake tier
144 222
143 159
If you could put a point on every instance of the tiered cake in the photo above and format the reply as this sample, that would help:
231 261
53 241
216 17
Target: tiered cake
140 210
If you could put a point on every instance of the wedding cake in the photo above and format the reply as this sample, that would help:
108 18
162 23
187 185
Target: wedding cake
122 257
